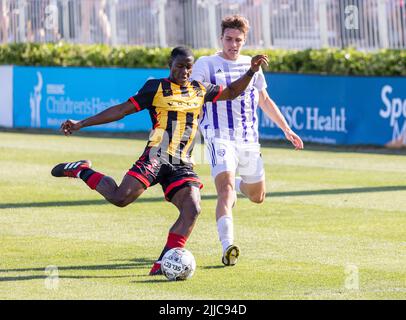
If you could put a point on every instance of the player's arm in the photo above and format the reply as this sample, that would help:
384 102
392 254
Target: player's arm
138 102
111 114
237 87
272 111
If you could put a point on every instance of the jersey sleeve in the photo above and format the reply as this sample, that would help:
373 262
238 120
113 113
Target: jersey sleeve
260 82
199 70
144 97
213 92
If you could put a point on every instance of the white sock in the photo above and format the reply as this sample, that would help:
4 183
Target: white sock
225 230
238 181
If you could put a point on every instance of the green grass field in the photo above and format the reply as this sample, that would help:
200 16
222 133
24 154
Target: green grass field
325 210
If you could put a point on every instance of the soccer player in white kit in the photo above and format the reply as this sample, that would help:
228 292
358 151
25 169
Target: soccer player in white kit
231 131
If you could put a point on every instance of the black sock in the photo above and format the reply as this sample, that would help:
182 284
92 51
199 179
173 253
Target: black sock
85 174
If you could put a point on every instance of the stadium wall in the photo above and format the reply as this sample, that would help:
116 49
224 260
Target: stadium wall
342 110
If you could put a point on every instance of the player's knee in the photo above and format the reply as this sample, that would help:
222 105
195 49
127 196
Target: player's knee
226 192
121 204
120 201
258 197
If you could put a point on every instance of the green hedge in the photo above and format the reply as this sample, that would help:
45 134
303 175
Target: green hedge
321 61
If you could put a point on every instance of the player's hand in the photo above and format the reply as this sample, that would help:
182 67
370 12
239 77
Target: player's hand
294 138
257 61
69 126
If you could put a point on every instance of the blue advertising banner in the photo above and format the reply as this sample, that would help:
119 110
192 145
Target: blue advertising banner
338 109
46 96
324 109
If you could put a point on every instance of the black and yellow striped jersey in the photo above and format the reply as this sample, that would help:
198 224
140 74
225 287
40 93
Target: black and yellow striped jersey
174 111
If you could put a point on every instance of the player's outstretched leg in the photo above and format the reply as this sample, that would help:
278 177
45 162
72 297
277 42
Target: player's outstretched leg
187 200
225 227
128 191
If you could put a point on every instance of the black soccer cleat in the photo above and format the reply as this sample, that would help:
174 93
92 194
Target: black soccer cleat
70 169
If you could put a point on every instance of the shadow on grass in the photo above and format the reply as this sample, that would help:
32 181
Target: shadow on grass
135 264
207 197
27 278
214 267
337 191
69 203
154 280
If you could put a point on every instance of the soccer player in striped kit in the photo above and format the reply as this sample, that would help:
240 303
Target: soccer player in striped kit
174 105
230 130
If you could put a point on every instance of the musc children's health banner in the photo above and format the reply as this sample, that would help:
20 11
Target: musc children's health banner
44 97
339 109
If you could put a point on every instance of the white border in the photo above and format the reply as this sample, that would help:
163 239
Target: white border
6 96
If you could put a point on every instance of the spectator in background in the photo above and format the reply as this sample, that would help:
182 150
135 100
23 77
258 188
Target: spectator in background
104 22
95 23
4 21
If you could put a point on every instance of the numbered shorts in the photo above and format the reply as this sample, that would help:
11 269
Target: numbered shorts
243 159
172 177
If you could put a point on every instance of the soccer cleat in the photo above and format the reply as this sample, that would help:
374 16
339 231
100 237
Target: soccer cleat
70 169
231 255
156 269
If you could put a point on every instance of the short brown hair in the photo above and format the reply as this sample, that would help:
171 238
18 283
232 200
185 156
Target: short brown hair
235 22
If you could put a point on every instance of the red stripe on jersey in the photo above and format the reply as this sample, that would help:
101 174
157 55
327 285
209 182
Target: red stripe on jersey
180 182
218 95
135 103
139 177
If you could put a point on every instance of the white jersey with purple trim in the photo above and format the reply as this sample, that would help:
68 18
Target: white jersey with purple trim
236 119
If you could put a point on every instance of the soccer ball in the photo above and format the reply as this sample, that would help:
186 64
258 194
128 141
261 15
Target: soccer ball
178 264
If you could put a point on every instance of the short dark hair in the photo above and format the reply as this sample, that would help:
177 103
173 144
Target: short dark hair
235 22
181 51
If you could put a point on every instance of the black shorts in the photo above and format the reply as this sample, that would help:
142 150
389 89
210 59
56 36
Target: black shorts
172 177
